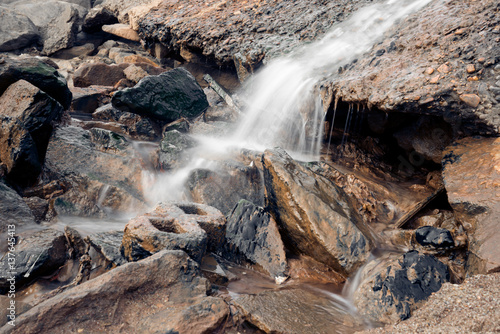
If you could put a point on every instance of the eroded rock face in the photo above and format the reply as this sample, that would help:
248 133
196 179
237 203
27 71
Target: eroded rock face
472 181
165 97
441 61
253 232
38 74
17 31
169 282
314 214
188 226
40 254
57 21
390 291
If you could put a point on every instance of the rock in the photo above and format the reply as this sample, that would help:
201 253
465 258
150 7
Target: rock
108 141
295 311
434 237
38 73
226 184
96 18
121 30
470 99
166 97
99 74
14 210
95 180
392 290
136 126
169 282
313 214
172 150
76 245
87 99
57 21
39 207
39 254
253 232
135 73
471 307
187 226
18 153
17 31
77 51
37 111
109 244
20 307
471 177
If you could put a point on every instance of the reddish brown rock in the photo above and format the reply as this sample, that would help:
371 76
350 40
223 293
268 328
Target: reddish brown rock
98 74
470 99
472 179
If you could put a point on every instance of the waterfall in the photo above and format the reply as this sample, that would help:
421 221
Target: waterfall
283 104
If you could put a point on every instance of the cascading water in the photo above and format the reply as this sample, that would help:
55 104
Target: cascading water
282 103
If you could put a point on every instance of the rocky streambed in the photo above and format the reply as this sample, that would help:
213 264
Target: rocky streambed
125 208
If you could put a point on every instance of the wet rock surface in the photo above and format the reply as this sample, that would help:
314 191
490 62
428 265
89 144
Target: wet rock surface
171 153
471 307
39 254
109 245
253 232
14 210
393 290
314 213
168 282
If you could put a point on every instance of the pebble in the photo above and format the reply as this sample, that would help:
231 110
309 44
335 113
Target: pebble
470 99
444 68
474 78
471 68
429 70
434 79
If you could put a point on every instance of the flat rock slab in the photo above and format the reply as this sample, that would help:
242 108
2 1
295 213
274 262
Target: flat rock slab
296 311
472 179
168 285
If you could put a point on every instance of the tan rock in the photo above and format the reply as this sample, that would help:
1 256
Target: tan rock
135 73
470 68
444 69
429 70
139 59
435 79
470 99
122 30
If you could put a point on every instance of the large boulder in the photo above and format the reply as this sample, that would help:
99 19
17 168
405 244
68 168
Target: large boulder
187 226
37 111
168 284
165 97
14 210
36 72
96 181
471 175
253 232
390 291
57 21
314 214
16 31
39 254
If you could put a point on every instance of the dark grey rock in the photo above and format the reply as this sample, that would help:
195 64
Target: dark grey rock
96 18
165 97
106 140
14 211
16 31
109 244
253 232
434 237
39 254
38 206
172 150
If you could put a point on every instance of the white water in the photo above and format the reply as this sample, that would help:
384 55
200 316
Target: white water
283 106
